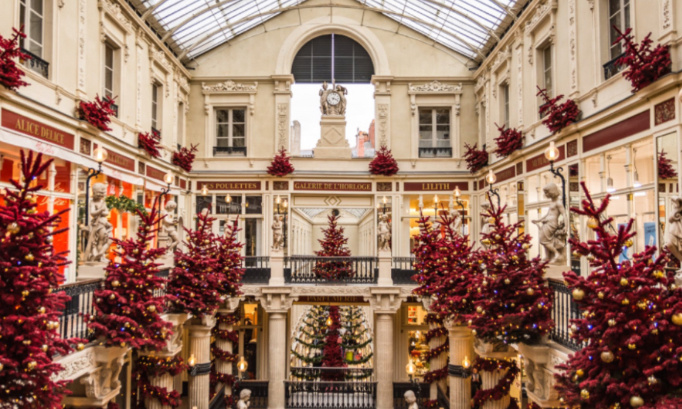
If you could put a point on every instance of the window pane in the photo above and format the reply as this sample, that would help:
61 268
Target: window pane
221 115
548 58
238 130
238 142
109 56
222 130
36 28
425 116
626 12
614 6
254 204
238 115
37 6
222 142
203 202
425 131
443 116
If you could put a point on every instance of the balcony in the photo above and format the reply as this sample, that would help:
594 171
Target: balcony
314 270
36 63
402 271
114 107
440 152
257 270
229 151
355 394
564 310
612 67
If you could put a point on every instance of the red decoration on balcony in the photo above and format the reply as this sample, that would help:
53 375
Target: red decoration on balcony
510 139
10 73
476 158
384 163
185 157
97 113
645 65
665 168
334 244
150 142
281 166
557 116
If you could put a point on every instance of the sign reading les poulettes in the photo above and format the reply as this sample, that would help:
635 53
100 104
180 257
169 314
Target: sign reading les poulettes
236 185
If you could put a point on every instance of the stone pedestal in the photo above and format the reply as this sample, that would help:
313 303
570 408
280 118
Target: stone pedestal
385 278
200 347
556 271
276 267
539 376
277 326
461 346
332 143
491 379
95 373
385 302
90 271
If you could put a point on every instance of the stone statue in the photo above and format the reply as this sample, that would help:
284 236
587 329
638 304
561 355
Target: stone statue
277 233
99 228
673 235
333 100
457 218
169 225
341 107
324 106
244 397
411 400
384 233
553 232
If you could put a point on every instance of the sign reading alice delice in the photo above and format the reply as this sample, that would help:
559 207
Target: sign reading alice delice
28 126
334 186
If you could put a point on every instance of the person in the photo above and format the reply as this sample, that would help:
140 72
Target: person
552 235
169 225
244 399
475 385
99 228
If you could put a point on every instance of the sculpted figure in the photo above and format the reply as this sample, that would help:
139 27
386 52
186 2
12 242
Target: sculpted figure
277 233
384 233
169 225
411 400
341 107
553 230
458 221
244 397
99 237
324 106
673 235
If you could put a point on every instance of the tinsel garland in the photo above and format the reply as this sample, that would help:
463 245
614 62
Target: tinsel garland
220 354
150 143
475 158
665 168
11 76
502 388
318 336
510 140
308 360
358 346
98 113
184 158
383 163
645 65
309 345
150 366
557 116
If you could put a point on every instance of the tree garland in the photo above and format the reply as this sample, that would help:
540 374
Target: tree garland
150 143
358 346
436 332
184 158
309 345
645 65
502 388
220 354
281 164
510 140
475 158
383 163
151 366
225 334
557 116
436 375
124 204
97 113
11 76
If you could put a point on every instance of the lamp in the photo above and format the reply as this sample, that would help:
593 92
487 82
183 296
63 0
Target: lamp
242 366
191 361
491 179
462 371
609 179
384 201
457 193
204 191
552 154
466 363
100 156
329 321
411 370
228 201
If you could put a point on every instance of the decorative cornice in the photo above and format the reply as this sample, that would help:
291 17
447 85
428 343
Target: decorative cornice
434 86
159 56
229 86
116 12
541 11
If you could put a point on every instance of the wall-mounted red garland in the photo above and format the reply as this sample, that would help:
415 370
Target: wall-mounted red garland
510 140
502 388
11 76
476 158
97 113
150 143
184 158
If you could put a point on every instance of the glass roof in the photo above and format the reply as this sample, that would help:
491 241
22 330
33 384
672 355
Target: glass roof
192 27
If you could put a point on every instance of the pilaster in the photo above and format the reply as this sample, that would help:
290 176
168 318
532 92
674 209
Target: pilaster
461 346
200 347
385 303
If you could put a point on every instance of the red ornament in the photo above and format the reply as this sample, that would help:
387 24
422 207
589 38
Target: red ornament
97 113
557 116
665 168
151 143
383 163
333 245
11 76
510 140
476 158
645 65
184 158
281 166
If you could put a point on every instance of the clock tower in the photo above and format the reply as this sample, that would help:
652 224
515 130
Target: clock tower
332 143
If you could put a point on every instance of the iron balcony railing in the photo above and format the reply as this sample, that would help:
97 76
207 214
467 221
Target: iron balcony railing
36 63
73 321
229 150
339 374
402 270
257 270
328 394
441 152
259 393
565 309
330 270
612 67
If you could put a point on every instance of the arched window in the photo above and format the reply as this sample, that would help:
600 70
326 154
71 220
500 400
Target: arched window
332 57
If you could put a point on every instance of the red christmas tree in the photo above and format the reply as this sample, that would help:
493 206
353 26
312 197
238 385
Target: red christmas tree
510 140
666 170
514 303
281 166
30 309
333 245
151 143
383 163
332 354
197 281
427 261
476 158
231 260
97 113
645 65
11 76
184 158
632 325
128 313
557 116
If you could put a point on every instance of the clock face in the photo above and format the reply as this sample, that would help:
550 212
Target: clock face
333 98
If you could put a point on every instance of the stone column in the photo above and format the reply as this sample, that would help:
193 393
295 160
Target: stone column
276 267
461 346
200 347
385 302
225 367
490 379
277 303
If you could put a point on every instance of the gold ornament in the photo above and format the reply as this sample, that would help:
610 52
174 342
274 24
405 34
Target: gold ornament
607 356
44 348
151 308
632 346
612 322
1 367
506 281
592 223
641 304
41 310
491 220
80 346
29 257
479 309
27 342
525 246
677 319
497 237
32 365
25 293
578 294
585 394
484 282
628 243
580 372
13 228
530 291
123 344
115 283
652 380
112 296
624 281
625 301
485 242
636 401
600 295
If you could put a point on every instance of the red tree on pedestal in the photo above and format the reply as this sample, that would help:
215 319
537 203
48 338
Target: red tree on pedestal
645 65
557 116
30 309
128 313
97 113
476 158
280 166
11 76
510 140
666 170
632 325
184 158
333 245
332 354
383 163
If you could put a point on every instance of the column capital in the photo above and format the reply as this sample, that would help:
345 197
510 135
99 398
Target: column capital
230 305
385 300
276 300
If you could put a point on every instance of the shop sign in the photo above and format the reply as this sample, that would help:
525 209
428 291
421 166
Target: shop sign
237 185
623 129
539 161
334 186
505 174
434 186
155 173
28 126
117 159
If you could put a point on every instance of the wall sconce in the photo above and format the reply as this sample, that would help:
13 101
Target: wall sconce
552 154
204 191
491 179
242 366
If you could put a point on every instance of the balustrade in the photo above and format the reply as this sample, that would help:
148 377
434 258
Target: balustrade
302 270
327 394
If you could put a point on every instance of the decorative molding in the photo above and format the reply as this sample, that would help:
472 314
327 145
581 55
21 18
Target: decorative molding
383 114
76 365
504 55
591 3
60 3
82 13
159 56
519 85
541 12
282 121
138 91
116 12
434 86
666 17
229 86
480 82
572 46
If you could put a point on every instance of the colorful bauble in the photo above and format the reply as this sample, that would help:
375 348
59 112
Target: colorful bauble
13 228
677 319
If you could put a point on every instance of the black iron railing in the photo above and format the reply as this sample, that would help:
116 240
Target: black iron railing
564 310
257 270
343 270
156 133
445 152
165 273
73 321
323 394
218 400
421 391
612 67
259 393
229 150
402 270
318 374
36 63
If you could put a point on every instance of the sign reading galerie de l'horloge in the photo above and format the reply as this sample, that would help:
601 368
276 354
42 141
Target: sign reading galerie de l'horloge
334 186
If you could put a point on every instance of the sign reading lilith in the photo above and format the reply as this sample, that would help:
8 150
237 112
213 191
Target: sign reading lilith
333 100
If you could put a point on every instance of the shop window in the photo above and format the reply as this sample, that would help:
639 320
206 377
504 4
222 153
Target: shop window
254 205
233 207
230 132
204 202
252 236
32 15
250 334
434 133
416 315
418 349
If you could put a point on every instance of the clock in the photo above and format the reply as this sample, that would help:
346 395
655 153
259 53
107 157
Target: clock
333 98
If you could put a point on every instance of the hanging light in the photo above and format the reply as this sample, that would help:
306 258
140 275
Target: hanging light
551 153
329 321
204 191
609 179
491 178
228 198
